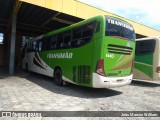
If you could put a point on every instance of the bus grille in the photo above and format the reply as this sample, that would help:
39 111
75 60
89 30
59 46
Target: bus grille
84 74
117 49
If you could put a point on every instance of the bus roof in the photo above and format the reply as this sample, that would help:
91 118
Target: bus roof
68 27
99 17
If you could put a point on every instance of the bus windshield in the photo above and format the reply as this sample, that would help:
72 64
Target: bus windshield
119 28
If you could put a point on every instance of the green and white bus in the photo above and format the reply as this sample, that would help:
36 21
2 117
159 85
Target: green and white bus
147 59
97 52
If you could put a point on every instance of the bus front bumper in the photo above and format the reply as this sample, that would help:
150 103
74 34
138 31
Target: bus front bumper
107 82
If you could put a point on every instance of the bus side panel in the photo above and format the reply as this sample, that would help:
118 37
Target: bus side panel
35 64
42 65
146 59
98 47
143 67
75 63
29 58
81 65
156 61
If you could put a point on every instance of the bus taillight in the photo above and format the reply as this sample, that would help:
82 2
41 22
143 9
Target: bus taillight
158 69
100 67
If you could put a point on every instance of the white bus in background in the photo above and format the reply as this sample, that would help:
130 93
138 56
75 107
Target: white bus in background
147 59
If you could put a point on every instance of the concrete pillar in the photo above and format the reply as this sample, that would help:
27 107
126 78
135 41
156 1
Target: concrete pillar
12 44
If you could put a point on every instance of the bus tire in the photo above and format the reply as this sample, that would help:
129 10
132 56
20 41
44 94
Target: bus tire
58 77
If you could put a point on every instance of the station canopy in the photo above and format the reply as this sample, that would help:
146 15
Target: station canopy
33 20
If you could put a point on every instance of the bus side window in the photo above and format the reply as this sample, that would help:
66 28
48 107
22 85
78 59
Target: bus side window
40 46
86 34
97 26
145 47
47 47
59 40
37 46
44 44
88 30
66 39
77 35
34 46
53 42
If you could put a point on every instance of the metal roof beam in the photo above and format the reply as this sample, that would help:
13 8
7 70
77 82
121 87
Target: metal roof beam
63 21
17 6
51 19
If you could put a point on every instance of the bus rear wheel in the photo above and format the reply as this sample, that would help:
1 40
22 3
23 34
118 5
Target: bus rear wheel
58 77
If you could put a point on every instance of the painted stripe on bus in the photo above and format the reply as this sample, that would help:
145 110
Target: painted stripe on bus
144 64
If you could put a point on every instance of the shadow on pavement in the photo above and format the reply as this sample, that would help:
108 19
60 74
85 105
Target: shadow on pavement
145 83
70 90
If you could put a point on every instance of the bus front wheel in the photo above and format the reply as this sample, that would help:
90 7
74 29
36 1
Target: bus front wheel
58 77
